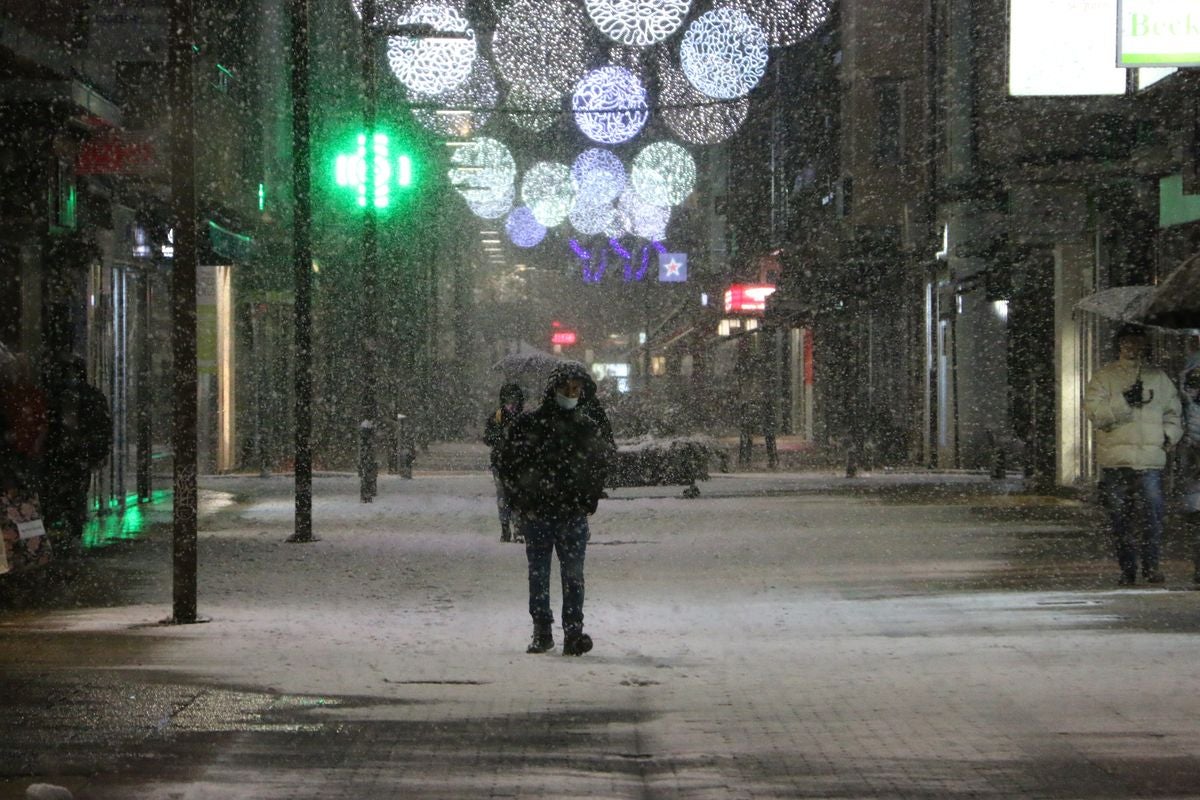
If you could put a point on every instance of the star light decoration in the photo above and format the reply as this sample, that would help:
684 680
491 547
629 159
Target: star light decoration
663 174
610 105
523 229
785 22
548 192
484 173
463 110
599 177
638 22
693 117
724 53
542 48
429 64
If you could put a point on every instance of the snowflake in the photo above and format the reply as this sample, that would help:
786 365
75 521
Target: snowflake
694 117
663 174
432 65
724 53
548 192
610 105
638 22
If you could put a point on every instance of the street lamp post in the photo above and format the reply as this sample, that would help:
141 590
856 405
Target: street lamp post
368 465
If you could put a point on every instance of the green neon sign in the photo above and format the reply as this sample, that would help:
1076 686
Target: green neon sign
350 171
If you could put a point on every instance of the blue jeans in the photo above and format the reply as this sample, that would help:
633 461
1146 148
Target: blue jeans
1135 504
569 538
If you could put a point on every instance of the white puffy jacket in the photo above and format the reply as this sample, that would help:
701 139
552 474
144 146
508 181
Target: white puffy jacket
1133 437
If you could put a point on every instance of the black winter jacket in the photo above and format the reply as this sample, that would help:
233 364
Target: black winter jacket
553 463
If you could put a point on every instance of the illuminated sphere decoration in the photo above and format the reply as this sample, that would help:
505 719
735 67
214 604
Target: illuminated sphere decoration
785 22
618 224
542 48
493 205
610 105
643 218
463 110
638 22
430 64
484 173
589 219
663 174
599 176
548 192
695 118
522 229
531 112
724 53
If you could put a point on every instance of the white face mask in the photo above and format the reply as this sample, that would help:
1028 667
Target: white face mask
564 402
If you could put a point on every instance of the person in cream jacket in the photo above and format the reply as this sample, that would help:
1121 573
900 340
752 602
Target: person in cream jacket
1136 415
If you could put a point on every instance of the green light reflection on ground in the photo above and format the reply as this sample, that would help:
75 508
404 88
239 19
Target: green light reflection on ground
122 526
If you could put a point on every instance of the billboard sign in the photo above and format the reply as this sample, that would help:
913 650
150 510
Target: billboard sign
1063 48
747 298
1158 33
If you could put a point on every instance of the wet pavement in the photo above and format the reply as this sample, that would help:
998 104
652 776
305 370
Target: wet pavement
783 635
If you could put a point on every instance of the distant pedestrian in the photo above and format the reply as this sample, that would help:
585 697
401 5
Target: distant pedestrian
512 403
553 463
1136 411
1190 464
79 441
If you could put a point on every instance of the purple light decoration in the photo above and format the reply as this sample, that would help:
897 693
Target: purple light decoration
579 251
523 229
659 246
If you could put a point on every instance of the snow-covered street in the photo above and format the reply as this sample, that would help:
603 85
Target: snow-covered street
780 636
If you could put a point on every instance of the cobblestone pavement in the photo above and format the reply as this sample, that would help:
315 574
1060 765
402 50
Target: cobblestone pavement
781 636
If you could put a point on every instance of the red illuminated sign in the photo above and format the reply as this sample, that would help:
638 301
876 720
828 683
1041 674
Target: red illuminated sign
563 337
747 298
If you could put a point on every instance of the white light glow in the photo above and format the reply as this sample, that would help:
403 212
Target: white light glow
638 22
663 174
785 22
1063 48
610 105
724 53
694 117
428 64
542 48
548 192
599 176
465 108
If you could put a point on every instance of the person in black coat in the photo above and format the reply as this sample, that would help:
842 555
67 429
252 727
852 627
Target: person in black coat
553 463
512 402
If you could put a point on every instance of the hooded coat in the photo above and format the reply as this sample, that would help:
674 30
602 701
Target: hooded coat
1128 436
553 462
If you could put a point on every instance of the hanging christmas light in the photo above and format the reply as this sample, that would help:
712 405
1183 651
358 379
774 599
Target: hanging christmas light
724 53
523 229
531 112
542 48
638 22
432 64
610 105
463 110
694 117
599 176
548 192
484 174
785 22
643 217
663 174
388 10
590 219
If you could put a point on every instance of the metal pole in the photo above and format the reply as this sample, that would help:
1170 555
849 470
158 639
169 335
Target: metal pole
183 307
145 416
368 465
302 266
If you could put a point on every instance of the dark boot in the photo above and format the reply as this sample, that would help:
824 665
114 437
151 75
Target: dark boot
543 639
576 643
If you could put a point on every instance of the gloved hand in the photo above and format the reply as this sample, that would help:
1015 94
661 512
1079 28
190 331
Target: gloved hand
1134 395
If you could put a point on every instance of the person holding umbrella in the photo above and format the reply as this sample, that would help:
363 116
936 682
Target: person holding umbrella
512 403
1136 412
